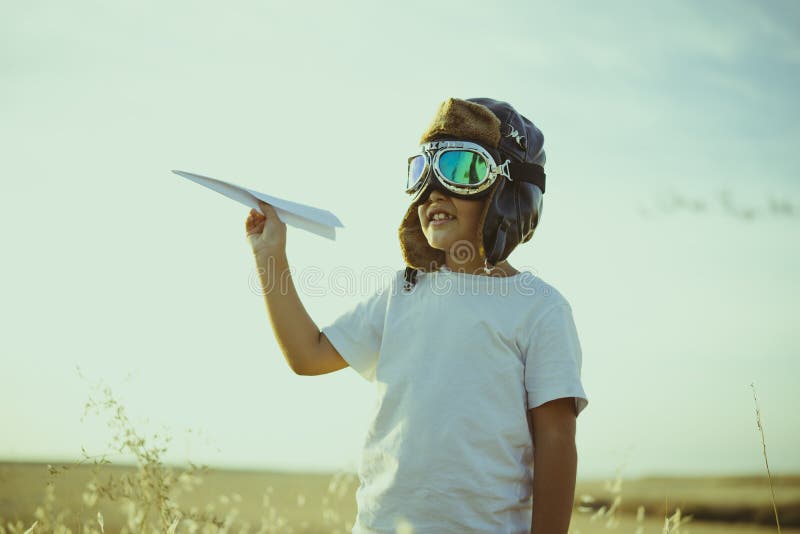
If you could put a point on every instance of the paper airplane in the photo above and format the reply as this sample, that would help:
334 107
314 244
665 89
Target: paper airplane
315 220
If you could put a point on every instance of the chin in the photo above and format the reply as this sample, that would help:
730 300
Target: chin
436 244
436 241
440 244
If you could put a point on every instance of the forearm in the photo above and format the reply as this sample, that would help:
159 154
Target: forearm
555 465
295 331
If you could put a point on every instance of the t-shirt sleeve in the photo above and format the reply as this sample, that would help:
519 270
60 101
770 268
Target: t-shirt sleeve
358 332
553 360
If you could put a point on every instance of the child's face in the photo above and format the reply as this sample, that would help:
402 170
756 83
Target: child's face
449 234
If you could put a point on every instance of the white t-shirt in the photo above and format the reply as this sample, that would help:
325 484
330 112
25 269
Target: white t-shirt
456 362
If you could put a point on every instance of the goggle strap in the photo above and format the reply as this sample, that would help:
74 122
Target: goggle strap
528 172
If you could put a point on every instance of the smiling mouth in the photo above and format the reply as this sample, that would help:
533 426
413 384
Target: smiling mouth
440 222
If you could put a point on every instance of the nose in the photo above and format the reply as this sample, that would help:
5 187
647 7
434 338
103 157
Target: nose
437 195
431 190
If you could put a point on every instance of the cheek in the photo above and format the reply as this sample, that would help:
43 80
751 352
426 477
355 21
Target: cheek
472 217
420 213
471 225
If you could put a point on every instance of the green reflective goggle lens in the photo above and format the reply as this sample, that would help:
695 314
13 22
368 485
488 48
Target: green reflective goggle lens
460 167
463 167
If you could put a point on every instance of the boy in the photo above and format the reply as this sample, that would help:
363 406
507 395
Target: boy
476 364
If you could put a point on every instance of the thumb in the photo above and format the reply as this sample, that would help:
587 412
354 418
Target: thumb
264 208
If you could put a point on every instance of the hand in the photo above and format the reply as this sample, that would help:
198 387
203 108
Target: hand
265 233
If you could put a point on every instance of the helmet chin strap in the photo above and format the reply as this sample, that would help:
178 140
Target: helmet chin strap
499 246
410 277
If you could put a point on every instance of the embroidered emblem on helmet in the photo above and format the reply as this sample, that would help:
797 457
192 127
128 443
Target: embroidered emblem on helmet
520 139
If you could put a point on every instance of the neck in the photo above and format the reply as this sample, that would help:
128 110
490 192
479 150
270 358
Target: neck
475 267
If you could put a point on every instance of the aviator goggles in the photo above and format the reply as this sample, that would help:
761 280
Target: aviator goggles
463 168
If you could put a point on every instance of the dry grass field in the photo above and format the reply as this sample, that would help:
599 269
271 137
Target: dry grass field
295 502
93 496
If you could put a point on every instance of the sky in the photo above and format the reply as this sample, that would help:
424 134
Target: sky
672 202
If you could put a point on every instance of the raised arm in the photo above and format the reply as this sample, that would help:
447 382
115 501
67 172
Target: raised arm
305 348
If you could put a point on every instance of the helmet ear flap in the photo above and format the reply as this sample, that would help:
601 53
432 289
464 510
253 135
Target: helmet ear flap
538 205
512 214
499 242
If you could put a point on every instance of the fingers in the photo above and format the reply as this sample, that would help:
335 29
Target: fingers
255 226
266 233
257 220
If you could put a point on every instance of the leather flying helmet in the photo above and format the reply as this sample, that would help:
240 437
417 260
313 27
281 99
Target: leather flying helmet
513 203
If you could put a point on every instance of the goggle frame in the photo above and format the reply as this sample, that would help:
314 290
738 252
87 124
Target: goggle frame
432 152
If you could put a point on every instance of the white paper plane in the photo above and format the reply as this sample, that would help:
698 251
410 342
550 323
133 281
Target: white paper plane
315 220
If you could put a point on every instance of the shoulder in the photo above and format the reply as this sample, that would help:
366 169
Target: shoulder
538 294
380 279
538 307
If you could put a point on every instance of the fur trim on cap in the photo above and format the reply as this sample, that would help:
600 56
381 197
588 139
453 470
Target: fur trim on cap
414 245
465 120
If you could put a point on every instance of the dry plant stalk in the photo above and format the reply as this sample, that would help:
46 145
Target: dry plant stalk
766 460
673 523
148 495
607 513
